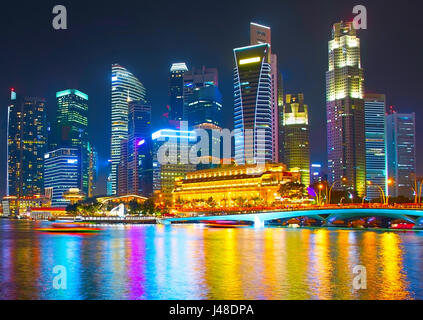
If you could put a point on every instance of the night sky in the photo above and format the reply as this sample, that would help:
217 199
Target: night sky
148 36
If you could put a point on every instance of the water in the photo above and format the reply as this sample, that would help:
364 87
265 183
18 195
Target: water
196 262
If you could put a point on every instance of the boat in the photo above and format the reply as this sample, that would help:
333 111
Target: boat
78 219
226 224
70 227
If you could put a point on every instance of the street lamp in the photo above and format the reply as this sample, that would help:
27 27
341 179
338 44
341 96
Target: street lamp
385 198
321 186
343 180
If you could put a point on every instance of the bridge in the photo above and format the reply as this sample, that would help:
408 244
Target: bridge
326 216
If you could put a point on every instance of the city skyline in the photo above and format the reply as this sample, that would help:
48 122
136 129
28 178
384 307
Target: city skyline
294 82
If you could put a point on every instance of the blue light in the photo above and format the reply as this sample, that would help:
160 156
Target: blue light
72 161
141 142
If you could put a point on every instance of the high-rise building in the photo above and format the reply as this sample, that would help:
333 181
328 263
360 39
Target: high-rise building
122 178
172 161
345 110
93 170
109 181
72 130
205 106
197 79
140 161
61 173
176 91
281 98
27 140
401 150
260 34
316 173
253 105
376 160
296 136
125 88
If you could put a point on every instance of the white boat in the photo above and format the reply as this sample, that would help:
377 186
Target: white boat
78 219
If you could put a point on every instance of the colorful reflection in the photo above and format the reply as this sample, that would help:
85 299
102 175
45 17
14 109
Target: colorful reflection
197 262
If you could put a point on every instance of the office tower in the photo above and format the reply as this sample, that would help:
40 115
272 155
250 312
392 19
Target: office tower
253 105
61 173
376 161
260 35
401 151
140 162
93 170
281 99
296 136
345 110
205 106
316 174
72 130
27 140
176 91
170 158
196 79
122 178
125 88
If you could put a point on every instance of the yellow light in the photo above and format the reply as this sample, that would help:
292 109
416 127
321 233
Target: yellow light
250 60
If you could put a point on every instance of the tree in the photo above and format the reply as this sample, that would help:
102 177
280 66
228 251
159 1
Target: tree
148 207
292 190
211 203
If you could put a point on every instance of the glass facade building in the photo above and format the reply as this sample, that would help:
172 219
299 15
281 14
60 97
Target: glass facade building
170 158
253 105
61 173
376 160
27 140
205 106
296 136
72 126
125 88
176 91
345 110
401 147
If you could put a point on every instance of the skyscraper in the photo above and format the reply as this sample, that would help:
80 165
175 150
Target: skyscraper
125 88
93 170
171 162
176 91
72 130
204 105
345 110
27 140
140 161
401 147
260 34
296 136
196 79
376 160
253 105
61 173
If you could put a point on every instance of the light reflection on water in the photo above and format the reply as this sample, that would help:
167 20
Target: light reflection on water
196 262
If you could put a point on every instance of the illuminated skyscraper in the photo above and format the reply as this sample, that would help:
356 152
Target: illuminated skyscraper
253 105
72 130
172 161
125 88
296 136
259 35
401 147
345 110
61 173
197 79
27 139
93 170
376 160
176 91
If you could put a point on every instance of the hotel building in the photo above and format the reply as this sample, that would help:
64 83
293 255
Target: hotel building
176 91
345 110
125 88
227 184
